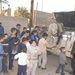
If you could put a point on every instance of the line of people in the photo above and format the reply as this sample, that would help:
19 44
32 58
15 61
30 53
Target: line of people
27 43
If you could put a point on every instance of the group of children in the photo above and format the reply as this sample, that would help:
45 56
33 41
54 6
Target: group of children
28 50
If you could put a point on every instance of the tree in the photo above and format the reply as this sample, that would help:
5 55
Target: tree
21 12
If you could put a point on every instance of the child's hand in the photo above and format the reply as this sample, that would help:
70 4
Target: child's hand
66 63
29 57
71 56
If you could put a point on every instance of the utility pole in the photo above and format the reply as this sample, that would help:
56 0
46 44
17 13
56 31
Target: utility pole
36 14
31 14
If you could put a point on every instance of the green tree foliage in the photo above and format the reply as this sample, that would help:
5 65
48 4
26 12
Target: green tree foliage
21 12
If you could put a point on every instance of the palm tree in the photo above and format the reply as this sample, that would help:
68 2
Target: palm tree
4 1
21 12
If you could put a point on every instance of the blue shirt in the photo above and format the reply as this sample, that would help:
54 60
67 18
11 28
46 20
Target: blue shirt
35 38
1 50
1 30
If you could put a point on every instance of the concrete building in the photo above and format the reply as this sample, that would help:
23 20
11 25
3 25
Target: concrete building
43 18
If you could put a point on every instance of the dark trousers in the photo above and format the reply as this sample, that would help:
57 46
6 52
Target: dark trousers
61 67
4 64
22 70
11 58
73 65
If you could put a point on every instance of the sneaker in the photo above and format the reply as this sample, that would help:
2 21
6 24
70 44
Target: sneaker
43 68
57 72
39 66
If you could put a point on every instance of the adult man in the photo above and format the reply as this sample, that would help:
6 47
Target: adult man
1 29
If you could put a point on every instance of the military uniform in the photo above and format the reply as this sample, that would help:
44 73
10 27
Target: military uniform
52 31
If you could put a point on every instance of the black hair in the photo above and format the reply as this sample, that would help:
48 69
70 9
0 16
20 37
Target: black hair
27 31
5 34
18 25
36 27
61 48
28 38
24 27
44 34
34 31
13 29
24 39
24 49
32 41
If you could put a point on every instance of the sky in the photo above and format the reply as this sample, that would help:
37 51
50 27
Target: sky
45 5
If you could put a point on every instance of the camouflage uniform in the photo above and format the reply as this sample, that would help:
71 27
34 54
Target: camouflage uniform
52 34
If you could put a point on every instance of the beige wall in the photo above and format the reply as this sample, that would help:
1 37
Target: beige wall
9 22
43 18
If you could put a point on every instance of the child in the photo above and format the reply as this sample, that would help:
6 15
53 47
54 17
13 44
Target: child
22 61
34 36
13 42
27 34
62 61
6 50
34 52
22 45
24 31
1 52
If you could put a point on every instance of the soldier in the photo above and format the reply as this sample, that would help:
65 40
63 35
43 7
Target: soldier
52 32
59 32
33 51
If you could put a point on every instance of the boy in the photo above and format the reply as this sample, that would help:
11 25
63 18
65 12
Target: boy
18 26
43 44
22 61
34 52
27 34
62 61
24 31
35 37
6 50
1 53
13 42
22 45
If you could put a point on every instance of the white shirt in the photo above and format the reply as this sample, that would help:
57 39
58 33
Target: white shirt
27 44
22 58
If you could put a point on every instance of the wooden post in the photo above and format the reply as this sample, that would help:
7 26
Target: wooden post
31 14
